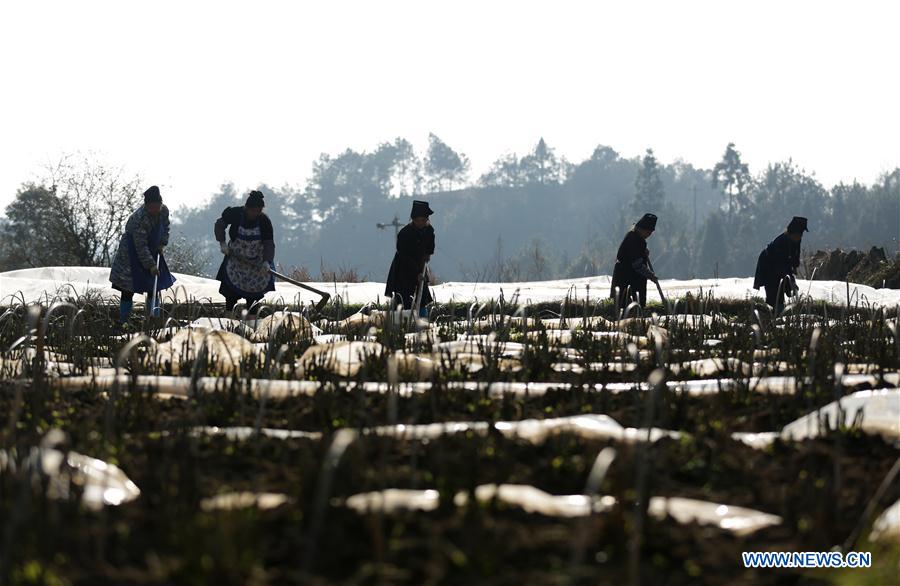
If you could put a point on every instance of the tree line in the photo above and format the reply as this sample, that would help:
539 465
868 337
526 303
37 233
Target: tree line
529 217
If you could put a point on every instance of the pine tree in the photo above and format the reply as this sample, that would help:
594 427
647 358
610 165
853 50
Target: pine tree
407 169
734 176
443 165
541 165
504 172
648 186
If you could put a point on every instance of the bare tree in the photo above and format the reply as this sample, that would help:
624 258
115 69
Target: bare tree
187 256
538 263
97 201
74 215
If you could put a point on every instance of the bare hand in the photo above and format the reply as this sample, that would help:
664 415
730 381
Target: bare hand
154 270
223 247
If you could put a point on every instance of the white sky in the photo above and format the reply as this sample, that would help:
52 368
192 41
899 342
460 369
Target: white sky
191 94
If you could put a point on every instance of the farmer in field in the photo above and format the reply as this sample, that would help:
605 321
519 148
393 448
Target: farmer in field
135 264
778 262
415 245
249 253
633 268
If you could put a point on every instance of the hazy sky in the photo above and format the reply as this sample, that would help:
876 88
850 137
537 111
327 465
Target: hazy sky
191 94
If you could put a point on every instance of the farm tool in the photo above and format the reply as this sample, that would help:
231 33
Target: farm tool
325 296
420 288
318 307
662 297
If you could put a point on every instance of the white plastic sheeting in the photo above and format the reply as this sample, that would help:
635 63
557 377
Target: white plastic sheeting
39 285
394 500
180 386
536 431
341 358
228 324
737 520
780 385
478 343
259 330
244 500
284 322
566 336
596 367
535 500
529 498
101 483
757 441
245 433
224 350
34 285
706 367
877 412
474 352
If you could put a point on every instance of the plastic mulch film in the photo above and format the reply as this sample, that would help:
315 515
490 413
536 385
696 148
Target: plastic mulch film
740 521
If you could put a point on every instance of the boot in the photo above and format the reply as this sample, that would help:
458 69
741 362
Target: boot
125 307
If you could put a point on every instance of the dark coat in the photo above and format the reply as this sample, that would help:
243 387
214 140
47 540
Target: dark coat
143 236
413 248
777 260
632 249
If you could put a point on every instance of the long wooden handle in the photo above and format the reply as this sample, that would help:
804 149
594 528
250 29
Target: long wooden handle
299 284
661 296
152 309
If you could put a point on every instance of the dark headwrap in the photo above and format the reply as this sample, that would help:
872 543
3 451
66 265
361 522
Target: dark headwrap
152 195
255 200
648 222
